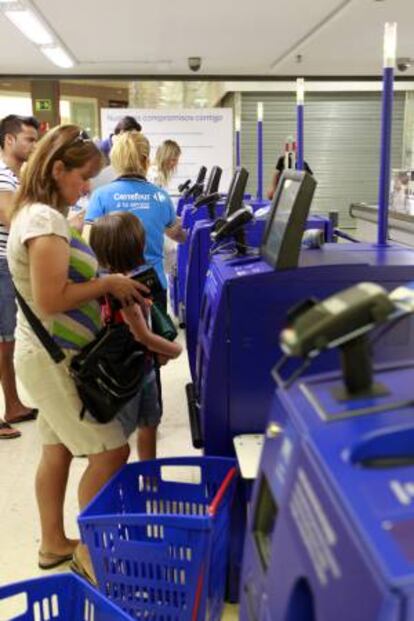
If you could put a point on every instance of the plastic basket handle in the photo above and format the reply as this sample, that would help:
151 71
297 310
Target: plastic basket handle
199 591
215 503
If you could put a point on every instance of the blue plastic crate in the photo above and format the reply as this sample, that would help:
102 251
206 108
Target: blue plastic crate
159 544
63 597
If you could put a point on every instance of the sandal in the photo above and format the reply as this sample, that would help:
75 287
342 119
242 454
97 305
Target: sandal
49 560
8 436
24 418
79 568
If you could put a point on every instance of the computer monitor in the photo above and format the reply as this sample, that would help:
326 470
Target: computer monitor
287 217
201 175
213 180
236 192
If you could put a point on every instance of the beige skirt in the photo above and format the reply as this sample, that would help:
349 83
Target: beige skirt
53 392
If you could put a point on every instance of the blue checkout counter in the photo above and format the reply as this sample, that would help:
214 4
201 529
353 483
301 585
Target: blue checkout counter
177 280
190 216
331 527
198 264
244 308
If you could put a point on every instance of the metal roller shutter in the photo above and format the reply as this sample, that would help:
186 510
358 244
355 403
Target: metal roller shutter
342 143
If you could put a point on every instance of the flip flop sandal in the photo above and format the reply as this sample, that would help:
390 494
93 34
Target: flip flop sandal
8 436
81 571
49 560
24 418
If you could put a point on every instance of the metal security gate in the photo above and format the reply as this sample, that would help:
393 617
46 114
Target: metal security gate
342 143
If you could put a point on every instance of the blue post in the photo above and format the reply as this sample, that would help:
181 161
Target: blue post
385 163
238 149
259 160
299 136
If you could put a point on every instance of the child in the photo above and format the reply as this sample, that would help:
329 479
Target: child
118 241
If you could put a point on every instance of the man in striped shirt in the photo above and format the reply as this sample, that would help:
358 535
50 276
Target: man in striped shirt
18 137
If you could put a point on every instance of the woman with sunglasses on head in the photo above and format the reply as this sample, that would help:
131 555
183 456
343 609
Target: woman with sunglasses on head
55 272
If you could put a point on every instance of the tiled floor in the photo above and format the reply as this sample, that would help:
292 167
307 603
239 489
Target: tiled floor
18 461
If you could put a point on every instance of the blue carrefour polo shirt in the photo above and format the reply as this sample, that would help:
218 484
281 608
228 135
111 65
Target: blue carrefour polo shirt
148 202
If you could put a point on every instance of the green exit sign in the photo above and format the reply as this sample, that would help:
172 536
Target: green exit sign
43 105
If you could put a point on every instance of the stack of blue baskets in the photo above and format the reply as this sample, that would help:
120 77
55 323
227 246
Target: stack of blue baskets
159 547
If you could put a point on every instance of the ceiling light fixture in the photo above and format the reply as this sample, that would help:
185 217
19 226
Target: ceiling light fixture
58 56
33 26
30 25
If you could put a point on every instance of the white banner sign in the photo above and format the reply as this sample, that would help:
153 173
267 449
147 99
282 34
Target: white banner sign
205 136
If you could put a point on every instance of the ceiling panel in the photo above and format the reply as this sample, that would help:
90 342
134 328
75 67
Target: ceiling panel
335 37
158 36
351 44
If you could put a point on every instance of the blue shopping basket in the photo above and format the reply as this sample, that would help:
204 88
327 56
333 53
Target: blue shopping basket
63 597
158 543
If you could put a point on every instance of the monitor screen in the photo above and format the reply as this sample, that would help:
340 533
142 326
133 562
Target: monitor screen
287 218
236 192
213 180
201 174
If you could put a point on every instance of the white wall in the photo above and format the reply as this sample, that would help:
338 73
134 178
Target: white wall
205 136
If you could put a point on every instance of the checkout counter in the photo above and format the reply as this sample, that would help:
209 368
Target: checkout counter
330 531
245 304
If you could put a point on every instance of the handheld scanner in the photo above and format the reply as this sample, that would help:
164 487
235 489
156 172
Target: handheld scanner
207 199
403 297
197 188
233 223
337 319
184 186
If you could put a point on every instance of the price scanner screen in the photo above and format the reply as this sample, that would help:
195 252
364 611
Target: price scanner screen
236 192
281 217
287 218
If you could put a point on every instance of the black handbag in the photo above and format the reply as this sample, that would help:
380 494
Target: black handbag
107 372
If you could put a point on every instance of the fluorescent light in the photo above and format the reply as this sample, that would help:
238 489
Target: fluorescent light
300 91
30 25
260 111
237 123
390 44
58 56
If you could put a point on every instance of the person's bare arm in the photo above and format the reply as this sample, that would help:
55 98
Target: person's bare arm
52 291
6 202
176 232
134 317
273 185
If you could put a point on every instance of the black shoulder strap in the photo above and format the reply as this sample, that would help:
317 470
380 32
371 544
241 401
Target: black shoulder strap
52 348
